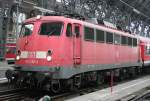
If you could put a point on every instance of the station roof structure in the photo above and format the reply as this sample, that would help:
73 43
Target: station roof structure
141 7
131 14
139 13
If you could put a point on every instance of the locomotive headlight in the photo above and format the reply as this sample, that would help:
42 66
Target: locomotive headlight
49 58
17 57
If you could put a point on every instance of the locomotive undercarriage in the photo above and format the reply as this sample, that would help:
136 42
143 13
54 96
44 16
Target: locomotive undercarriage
44 80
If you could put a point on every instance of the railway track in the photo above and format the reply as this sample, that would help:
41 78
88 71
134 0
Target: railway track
12 94
142 95
19 94
84 91
67 95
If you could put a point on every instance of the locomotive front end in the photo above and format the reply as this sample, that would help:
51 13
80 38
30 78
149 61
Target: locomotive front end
39 46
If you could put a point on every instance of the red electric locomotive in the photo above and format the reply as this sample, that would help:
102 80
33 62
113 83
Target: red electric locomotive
56 51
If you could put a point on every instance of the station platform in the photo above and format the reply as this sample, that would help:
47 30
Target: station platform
118 91
3 67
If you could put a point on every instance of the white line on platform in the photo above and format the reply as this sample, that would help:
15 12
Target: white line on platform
3 79
117 91
106 95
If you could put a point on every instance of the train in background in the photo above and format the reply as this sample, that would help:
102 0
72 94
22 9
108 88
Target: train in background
10 49
10 54
56 52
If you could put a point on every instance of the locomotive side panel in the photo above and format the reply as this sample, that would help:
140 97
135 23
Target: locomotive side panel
101 53
109 53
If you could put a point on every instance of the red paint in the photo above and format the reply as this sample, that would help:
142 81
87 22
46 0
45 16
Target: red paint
72 50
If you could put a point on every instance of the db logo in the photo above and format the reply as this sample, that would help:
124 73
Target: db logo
31 54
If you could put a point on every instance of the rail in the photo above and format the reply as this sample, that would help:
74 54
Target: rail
12 94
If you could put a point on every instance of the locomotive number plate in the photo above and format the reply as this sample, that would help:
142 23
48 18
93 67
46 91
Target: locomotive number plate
31 54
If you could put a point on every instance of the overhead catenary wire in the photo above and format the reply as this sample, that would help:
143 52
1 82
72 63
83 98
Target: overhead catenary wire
135 10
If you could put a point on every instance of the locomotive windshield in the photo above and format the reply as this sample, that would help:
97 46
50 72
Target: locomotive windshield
26 30
51 28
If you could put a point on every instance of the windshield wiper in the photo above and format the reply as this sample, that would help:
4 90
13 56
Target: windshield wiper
51 32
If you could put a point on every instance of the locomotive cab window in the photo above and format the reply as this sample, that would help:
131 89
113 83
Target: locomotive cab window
100 36
26 30
88 33
109 37
51 28
69 30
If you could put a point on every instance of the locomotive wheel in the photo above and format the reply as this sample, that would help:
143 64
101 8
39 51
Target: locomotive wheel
132 72
31 82
100 79
9 75
20 82
55 86
122 75
77 81
74 84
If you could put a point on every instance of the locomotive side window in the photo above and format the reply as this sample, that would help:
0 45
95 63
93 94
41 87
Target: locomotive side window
109 37
51 28
100 36
69 30
26 30
77 31
88 33
117 39
129 41
123 40
134 42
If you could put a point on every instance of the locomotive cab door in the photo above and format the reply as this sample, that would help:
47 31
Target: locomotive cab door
77 44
